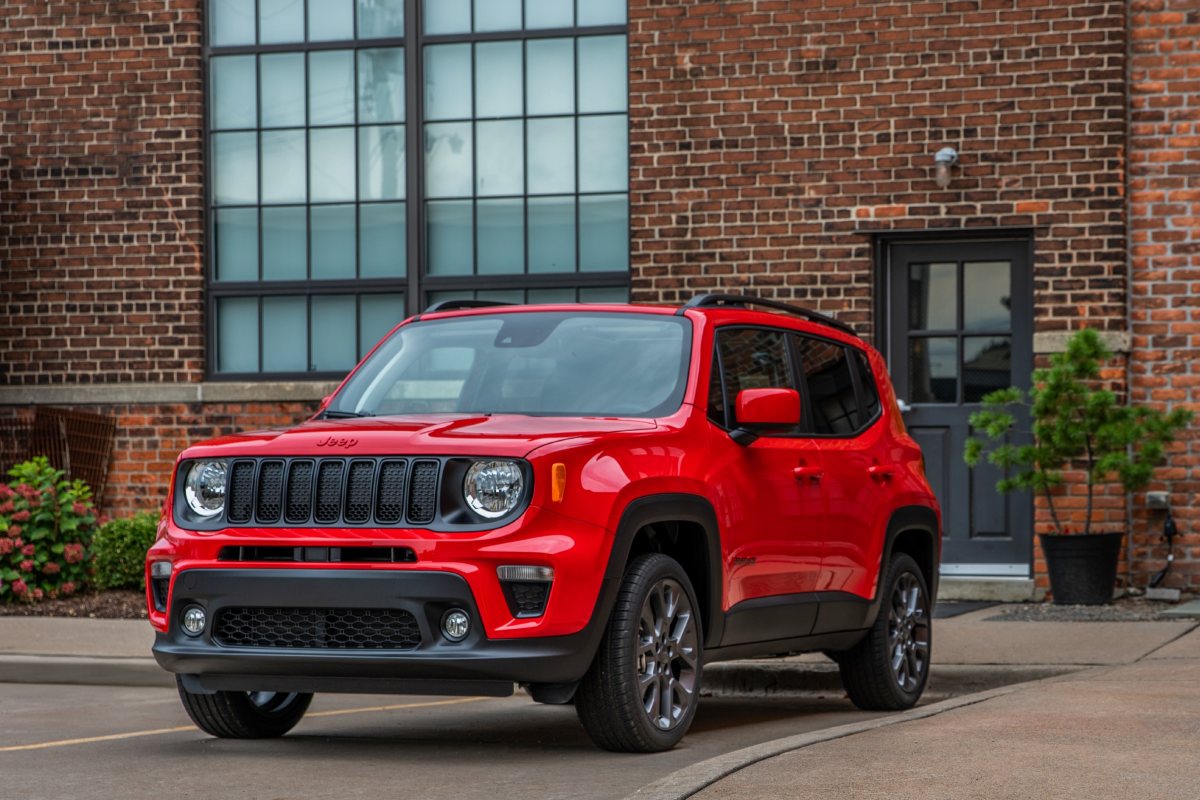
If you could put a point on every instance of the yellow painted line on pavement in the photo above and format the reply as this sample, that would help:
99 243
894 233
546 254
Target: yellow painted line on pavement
160 731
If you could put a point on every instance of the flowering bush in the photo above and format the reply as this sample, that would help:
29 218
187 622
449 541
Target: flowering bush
46 526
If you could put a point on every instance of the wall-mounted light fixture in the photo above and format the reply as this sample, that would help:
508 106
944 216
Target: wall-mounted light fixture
946 158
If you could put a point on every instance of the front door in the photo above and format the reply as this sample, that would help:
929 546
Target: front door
959 326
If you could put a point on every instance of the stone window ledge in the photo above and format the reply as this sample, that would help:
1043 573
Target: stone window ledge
156 393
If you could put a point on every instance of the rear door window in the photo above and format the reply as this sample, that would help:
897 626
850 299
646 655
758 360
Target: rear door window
832 400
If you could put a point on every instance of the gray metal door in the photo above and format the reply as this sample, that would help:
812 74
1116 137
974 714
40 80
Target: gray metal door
960 325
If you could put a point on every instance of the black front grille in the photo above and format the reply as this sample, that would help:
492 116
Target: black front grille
333 491
318 628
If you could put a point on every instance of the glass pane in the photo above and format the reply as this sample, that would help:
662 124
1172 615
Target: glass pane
604 154
753 358
497 15
831 397
331 87
933 297
237 244
604 233
448 160
331 167
987 296
552 234
437 297
602 74
285 334
604 294
235 168
377 314
551 152
600 12
380 18
448 81
333 243
381 85
332 335
381 162
550 76
448 16
283 166
284 240
280 21
987 366
282 98
381 240
498 79
451 242
502 295
501 163
232 22
237 334
330 20
933 370
550 13
232 95
550 296
501 230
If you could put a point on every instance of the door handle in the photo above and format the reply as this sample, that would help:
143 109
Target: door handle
811 473
903 406
880 472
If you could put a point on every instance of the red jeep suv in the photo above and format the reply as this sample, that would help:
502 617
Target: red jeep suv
591 501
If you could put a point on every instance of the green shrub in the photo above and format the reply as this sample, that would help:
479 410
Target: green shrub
120 551
46 527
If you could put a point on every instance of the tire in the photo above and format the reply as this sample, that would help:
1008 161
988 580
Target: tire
244 715
652 647
888 669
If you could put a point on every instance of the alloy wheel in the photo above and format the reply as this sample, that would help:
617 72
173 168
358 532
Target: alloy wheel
908 632
667 656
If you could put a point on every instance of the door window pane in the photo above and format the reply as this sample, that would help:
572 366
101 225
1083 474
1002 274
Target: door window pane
600 12
451 238
987 296
232 95
381 85
237 334
498 73
285 334
333 242
377 314
549 13
448 16
604 233
552 234
448 159
603 76
331 167
332 337
550 76
501 229
280 21
330 20
237 244
752 358
448 81
231 23
933 370
497 15
933 297
501 169
284 238
381 240
551 155
833 404
603 154
282 101
331 87
379 18
235 168
283 167
987 366
381 162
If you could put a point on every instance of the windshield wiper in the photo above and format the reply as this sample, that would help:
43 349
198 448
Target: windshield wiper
327 414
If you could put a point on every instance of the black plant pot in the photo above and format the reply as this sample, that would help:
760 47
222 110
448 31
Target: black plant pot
1083 569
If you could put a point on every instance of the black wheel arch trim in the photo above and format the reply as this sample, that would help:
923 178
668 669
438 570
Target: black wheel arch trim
922 519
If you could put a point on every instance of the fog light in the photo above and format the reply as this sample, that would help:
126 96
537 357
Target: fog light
194 620
160 569
456 625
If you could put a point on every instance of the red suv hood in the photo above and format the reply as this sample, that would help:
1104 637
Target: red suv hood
451 434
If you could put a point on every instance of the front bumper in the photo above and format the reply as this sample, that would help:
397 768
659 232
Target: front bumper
477 665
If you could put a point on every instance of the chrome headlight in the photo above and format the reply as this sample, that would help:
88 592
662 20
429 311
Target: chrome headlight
493 488
204 489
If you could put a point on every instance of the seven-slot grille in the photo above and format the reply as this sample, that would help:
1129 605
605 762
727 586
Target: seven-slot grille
333 491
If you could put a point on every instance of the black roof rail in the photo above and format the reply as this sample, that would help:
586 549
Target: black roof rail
457 305
710 300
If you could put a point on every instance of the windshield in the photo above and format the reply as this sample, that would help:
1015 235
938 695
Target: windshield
537 363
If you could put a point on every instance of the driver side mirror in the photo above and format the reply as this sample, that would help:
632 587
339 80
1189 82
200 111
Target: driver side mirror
762 410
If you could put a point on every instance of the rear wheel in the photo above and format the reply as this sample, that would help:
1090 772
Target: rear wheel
641 691
888 669
244 715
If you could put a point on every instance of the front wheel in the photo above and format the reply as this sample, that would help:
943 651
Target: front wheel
640 694
244 715
888 669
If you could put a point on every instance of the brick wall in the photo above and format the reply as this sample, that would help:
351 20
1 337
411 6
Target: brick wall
102 198
1164 223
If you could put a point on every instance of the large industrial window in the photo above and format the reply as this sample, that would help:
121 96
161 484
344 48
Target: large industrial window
368 157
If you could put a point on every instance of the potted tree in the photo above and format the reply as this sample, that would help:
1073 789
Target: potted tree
1075 422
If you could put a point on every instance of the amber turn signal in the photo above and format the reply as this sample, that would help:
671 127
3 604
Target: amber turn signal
558 482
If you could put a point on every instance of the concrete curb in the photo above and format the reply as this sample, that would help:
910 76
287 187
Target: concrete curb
86 670
686 782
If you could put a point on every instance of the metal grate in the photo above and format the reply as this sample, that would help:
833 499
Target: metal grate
389 500
318 628
299 491
358 491
241 491
526 598
77 442
422 496
329 491
270 491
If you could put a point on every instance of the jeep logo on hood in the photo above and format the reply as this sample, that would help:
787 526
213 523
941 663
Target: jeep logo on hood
333 441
